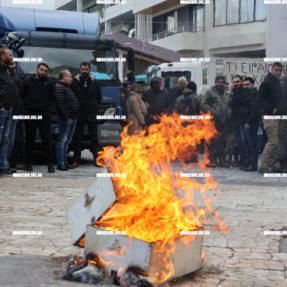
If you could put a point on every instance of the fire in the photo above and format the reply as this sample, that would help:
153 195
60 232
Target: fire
202 255
154 202
81 243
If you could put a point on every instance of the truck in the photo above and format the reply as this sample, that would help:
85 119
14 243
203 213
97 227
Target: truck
204 73
63 40
195 72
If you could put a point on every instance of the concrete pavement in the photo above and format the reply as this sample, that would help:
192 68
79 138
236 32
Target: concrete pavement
250 204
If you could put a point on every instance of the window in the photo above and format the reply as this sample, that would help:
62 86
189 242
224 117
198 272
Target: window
260 11
220 12
232 11
199 16
238 11
170 22
247 11
190 17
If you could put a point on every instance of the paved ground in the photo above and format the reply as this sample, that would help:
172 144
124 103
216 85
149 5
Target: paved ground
250 204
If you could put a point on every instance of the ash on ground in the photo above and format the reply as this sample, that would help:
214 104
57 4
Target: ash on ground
87 269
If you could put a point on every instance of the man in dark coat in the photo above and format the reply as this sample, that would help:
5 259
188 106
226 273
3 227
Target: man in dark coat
38 94
88 92
239 105
67 108
252 121
157 100
270 98
17 136
8 93
282 144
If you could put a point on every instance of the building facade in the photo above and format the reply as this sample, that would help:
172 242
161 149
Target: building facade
223 28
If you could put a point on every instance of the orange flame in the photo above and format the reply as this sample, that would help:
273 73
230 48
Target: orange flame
81 243
202 255
154 202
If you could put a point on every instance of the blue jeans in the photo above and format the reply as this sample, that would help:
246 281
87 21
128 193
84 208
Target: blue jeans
66 132
240 137
5 123
12 136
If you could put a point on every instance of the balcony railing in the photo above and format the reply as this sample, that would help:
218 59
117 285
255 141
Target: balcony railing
181 29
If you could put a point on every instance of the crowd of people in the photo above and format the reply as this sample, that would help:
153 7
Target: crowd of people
76 101
249 120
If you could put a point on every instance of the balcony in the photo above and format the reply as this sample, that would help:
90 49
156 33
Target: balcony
164 34
182 39
153 6
119 12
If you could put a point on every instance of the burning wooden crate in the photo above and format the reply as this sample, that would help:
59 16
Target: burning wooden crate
119 252
148 206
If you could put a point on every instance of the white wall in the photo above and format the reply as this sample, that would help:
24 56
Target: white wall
276 40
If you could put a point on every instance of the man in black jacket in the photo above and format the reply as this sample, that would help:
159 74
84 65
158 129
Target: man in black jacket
38 94
252 121
68 108
157 100
239 117
8 94
16 111
282 144
88 92
270 97
16 151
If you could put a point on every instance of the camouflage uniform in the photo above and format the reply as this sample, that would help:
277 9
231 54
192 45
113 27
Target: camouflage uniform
218 105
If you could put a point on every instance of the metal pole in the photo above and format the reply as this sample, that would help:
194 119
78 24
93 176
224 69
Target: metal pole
106 28
80 6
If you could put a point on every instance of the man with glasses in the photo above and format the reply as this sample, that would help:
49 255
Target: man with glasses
270 97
